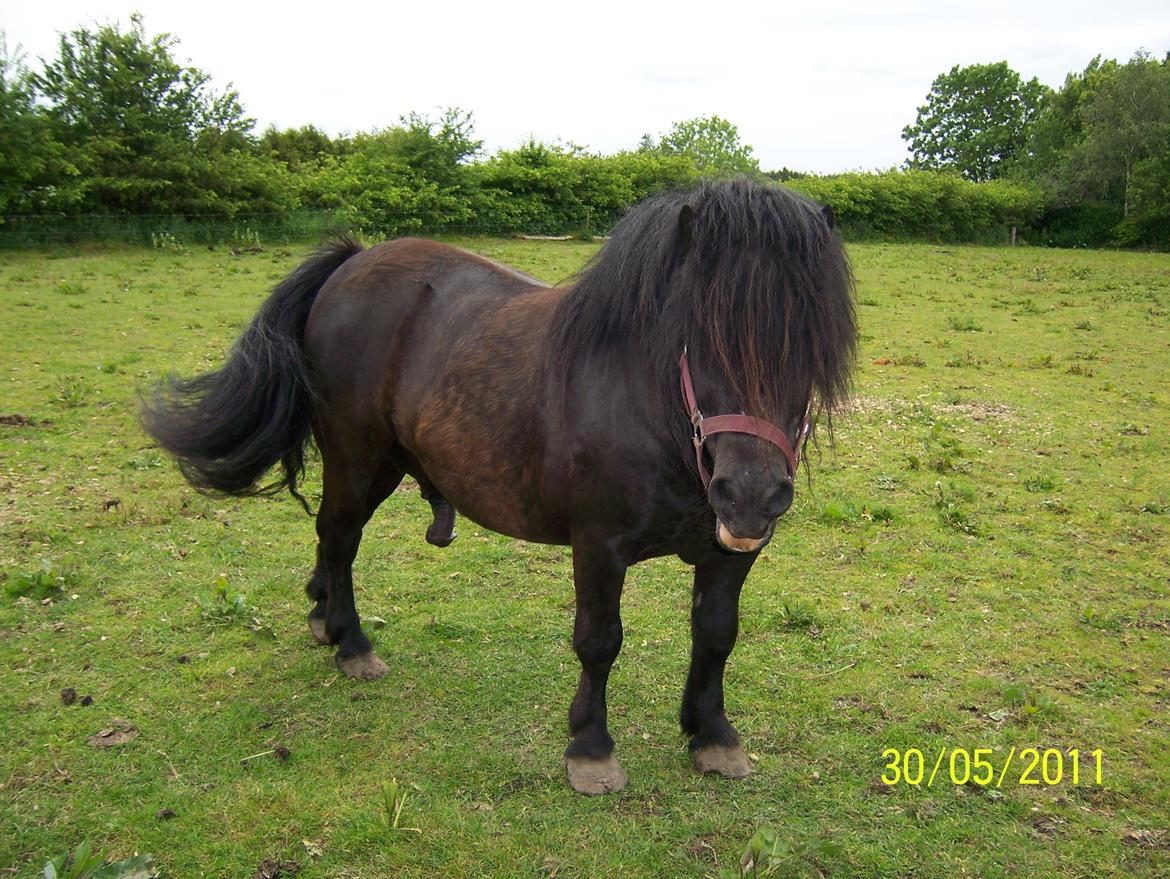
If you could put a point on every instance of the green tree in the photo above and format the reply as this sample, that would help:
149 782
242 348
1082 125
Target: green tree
1100 148
712 143
437 150
1057 126
30 159
299 149
974 121
147 134
412 177
1126 130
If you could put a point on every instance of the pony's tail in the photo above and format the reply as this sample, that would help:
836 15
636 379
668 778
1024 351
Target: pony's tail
228 427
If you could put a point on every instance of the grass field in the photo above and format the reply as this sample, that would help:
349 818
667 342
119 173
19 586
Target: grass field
981 562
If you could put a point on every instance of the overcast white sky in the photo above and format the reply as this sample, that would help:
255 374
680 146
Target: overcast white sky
814 86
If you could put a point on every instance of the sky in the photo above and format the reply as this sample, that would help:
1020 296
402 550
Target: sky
812 86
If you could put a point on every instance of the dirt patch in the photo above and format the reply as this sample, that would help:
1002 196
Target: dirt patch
18 420
119 732
1148 839
702 848
272 868
863 405
982 411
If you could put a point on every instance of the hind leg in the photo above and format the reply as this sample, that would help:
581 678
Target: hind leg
350 497
381 486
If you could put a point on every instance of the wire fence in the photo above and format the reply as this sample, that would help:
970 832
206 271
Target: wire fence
174 231
168 231
163 230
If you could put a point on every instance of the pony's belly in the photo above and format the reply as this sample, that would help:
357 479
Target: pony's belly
504 511
496 495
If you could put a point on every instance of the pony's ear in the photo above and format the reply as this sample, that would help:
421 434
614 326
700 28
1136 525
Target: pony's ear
830 217
686 219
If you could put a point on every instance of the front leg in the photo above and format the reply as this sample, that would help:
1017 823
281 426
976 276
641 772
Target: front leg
598 575
714 625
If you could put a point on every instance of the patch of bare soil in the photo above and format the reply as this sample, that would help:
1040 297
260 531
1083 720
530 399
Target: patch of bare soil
119 732
270 868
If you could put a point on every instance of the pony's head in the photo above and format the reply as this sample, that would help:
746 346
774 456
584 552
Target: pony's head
753 281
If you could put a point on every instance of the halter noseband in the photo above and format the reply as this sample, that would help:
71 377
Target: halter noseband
705 427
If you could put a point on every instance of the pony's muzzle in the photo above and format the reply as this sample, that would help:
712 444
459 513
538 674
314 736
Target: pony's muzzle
732 543
746 510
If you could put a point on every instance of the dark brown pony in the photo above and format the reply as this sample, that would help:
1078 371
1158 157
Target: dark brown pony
549 414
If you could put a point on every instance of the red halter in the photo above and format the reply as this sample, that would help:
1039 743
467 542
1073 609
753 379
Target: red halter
705 427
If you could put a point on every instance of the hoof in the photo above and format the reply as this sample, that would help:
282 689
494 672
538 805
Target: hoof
364 667
436 537
317 630
595 777
721 760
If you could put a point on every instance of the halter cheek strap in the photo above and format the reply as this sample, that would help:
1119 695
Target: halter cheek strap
705 427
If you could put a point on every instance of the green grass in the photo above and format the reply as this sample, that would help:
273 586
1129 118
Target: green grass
981 562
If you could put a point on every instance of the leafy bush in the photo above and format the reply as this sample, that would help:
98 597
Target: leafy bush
924 205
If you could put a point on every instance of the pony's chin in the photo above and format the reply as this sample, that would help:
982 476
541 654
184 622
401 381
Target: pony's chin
731 543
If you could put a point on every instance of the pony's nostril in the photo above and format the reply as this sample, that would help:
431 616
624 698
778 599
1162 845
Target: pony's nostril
780 500
720 496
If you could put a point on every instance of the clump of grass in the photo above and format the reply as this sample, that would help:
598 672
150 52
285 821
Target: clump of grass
767 853
72 288
226 607
73 392
901 360
166 241
1090 616
840 513
1128 428
1026 701
963 324
146 461
245 236
393 802
966 360
947 462
943 454
223 605
82 863
1027 307
1042 361
112 367
796 615
1039 482
1056 505
1086 325
950 510
43 582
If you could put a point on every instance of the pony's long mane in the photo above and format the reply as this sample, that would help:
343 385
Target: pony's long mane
752 278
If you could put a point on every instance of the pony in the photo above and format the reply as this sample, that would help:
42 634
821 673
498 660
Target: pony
568 415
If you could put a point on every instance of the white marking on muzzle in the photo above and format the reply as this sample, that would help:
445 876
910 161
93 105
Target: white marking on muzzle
739 544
